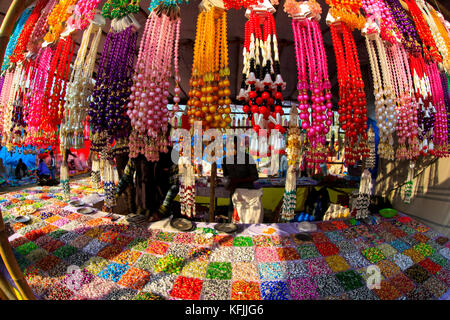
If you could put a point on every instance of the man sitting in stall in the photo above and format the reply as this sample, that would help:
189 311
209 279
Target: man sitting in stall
21 170
43 173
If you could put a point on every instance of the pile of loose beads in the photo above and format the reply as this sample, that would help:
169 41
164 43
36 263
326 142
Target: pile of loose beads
195 269
245 290
242 241
134 278
303 288
119 293
243 254
147 108
219 270
187 288
147 296
161 284
169 264
245 271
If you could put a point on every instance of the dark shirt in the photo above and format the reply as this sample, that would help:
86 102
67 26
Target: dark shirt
235 170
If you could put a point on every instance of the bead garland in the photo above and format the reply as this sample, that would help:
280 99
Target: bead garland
238 4
405 26
107 111
84 12
4 98
19 50
317 117
116 9
383 92
347 11
352 113
55 90
20 24
262 84
33 111
57 19
293 156
429 45
440 34
41 27
209 92
378 9
147 108
79 90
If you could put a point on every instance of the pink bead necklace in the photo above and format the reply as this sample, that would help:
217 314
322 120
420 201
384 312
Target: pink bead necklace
317 117
147 109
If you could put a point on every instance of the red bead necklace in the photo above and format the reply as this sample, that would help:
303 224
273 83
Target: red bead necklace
352 103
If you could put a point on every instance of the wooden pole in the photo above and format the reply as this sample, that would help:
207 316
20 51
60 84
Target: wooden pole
11 264
6 289
212 191
15 9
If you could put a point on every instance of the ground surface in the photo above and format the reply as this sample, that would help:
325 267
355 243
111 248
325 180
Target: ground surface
66 255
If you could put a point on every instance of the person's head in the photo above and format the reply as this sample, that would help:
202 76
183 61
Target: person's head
20 161
41 161
51 152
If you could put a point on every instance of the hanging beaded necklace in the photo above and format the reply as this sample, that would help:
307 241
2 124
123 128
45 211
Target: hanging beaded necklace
147 108
262 84
378 9
107 110
19 50
317 118
79 90
41 27
57 19
14 37
209 100
352 103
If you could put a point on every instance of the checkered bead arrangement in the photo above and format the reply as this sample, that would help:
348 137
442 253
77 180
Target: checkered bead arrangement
69 256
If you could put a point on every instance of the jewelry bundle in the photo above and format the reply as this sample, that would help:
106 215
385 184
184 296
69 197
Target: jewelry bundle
363 199
57 19
107 110
41 27
147 108
293 155
262 84
209 92
79 90
317 117
352 99
383 92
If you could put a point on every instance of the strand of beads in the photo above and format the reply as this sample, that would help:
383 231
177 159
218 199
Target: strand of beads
348 11
116 9
316 119
352 103
6 91
41 27
439 39
384 104
293 156
9 106
442 37
147 108
262 84
19 50
14 37
378 9
426 111
440 125
238 4
79 91
57 19
54 96
405 26
406 104
33 110
209 92
429 45
85 11
107 111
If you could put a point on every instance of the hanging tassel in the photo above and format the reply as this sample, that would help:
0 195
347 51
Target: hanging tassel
409 183
64 178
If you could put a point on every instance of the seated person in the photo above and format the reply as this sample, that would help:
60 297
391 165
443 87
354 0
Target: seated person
43 172
238 175
21 170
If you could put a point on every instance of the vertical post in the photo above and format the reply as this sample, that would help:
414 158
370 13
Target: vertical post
212 191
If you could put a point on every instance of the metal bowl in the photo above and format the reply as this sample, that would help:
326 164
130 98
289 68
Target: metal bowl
87 210
22 219
76 203
226 227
